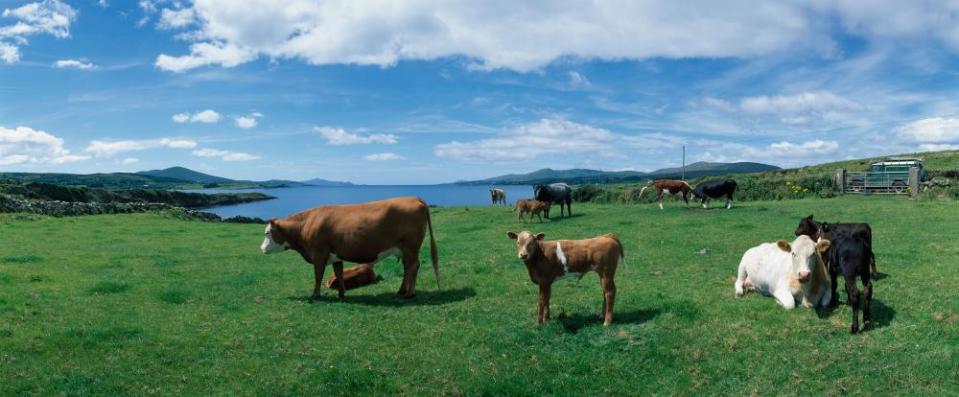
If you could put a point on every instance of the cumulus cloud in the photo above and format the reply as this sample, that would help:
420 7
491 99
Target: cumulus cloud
176 19
248 121
531 140
224 155
782 153
383 157
206 116
800 108
50 17
74 64
577 80
100 148
130 160
339 136
931 130
24 145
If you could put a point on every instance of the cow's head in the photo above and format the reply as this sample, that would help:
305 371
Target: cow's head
805 254
807 227
273 239
527 243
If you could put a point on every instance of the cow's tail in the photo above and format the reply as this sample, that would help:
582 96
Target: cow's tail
622 254
434 258
641 191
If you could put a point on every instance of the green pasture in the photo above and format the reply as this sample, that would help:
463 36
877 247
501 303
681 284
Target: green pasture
144 304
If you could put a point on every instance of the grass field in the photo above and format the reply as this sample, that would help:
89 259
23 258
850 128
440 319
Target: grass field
144 304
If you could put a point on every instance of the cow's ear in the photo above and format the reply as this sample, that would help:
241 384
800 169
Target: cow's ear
809 217
512 235
822 246
540 236
784 245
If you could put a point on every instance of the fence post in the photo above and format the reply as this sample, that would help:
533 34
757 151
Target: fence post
914 182
841 180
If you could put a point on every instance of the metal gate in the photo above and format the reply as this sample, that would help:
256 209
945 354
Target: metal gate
877 182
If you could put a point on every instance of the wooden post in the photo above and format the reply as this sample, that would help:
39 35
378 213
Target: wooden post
914 182
841 180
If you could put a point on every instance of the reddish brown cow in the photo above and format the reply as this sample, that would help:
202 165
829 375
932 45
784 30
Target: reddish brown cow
354 277
671 186
533 207
547 261
362 233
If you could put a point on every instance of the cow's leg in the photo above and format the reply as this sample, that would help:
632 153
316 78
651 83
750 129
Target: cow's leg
538 215
659 198
319 267
542 308
609 297
855 297
569 206
741 281
867 285
784 297
729 201
833 285
411 266
340 283
704 202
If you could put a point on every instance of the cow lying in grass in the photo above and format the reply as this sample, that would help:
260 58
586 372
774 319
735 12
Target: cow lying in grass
533 207
354 277
547 261
790 272
850 255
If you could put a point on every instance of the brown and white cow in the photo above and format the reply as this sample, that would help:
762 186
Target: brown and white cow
671 186
361 233
533 207
547 261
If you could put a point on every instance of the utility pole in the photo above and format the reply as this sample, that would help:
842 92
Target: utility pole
684 162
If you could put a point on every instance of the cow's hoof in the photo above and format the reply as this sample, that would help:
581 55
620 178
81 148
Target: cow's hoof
854 329
410 295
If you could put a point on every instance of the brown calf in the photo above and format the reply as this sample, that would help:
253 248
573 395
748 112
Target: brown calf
354 277
547 261
671 186
533 207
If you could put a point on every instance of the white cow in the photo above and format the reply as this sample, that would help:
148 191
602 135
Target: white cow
789 272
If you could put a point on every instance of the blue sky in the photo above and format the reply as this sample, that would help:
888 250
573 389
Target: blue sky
408 92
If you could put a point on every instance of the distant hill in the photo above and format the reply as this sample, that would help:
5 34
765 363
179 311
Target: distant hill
185 174
583 176
325 183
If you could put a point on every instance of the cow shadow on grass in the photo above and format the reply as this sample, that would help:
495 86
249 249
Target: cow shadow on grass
574 322
882 314
557 218
391 299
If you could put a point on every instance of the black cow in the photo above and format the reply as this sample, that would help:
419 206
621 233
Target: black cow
559 193
851 255
828 231
716 189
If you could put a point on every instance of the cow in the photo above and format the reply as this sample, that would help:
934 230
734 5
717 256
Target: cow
850 255
354 277
497 195
361 233
670 186
816 230
533 207
790 272
547 261
715 189
555 193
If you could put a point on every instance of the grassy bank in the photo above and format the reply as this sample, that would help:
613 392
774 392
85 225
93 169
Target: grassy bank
142 304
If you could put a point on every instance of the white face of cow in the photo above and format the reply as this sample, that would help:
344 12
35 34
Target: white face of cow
270 246
805 255
527 244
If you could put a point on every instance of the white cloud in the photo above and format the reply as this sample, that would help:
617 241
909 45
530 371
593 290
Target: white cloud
130 160
782 153
225 155
800 108
24 145
9 54
101 148
936 147
577 80
931 130
383 157
206 116
176 19
50 17
531 140
339 136
248 121
73 63
528 36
